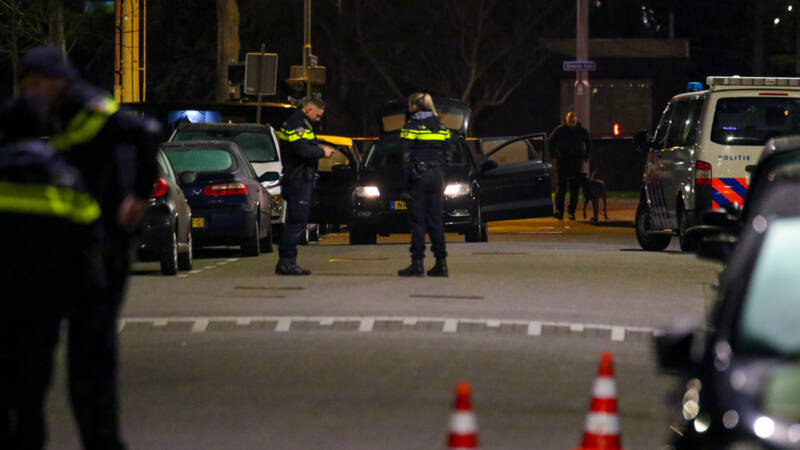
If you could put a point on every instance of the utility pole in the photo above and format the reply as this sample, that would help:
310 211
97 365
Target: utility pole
129 42
307 46
582 91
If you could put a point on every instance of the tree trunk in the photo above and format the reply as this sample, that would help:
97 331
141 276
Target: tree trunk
56 36
227 43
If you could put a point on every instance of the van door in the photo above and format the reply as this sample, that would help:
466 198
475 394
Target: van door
331 199
514 179
653 178
677 160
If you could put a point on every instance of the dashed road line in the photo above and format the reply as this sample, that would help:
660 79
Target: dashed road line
369 324
208 267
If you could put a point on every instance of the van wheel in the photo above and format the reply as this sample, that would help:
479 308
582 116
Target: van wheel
687 243
649 242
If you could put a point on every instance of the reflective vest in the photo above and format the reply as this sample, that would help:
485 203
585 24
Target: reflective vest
85 125
288 135
425 134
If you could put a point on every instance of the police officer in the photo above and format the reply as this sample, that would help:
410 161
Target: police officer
48 231
114 151
424 147
571 145
300 154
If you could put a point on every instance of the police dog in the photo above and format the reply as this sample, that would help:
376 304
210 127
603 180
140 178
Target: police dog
594 189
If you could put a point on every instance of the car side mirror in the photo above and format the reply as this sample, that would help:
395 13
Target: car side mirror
488 165
674 350
642 140
267 177
341 168
188 177
717 247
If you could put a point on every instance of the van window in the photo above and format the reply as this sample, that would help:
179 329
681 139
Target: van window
754 120
684 122
660 138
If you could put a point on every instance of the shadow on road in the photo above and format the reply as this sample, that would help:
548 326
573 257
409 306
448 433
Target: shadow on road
612 224
637 250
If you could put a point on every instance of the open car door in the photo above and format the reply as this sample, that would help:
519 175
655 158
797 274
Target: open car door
331 199
514 178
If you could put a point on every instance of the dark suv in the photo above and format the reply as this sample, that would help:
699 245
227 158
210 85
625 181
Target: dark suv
511 182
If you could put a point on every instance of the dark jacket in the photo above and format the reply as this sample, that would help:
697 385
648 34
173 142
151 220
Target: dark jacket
300 152
570 143
113 150
424 138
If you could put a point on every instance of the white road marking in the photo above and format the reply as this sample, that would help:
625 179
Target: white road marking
367 323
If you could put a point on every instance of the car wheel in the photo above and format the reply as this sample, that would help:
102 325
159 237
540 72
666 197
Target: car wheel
476 229
313 232
185 260
266 243
649 242
687 243
361 236
169 261
484 232
251 246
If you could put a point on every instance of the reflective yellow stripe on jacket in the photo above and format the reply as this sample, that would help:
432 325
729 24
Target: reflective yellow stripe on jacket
425 134
48 201
85 125
292 135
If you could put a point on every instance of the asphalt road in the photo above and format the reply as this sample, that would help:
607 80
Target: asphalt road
231 356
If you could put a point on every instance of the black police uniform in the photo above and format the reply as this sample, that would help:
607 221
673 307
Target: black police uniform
115 153
300 154
571 146
49 232
424 147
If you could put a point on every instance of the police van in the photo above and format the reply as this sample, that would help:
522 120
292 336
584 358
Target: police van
699 156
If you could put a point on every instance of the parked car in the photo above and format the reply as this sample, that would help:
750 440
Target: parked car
332 198
740 373
512 183
229 204
167 225
704 142
258 142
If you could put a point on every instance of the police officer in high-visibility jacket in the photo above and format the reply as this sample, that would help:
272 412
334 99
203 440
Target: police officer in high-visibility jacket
114 151
425 143
49 235
299 154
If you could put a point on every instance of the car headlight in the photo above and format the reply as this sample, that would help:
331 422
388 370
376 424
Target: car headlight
367 192
457 190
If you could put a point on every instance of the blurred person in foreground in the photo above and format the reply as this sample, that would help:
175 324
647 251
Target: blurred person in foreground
114 152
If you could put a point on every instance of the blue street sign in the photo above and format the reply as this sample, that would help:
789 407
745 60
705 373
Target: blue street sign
575 66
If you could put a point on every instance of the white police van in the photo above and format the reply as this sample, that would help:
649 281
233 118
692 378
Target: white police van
698 158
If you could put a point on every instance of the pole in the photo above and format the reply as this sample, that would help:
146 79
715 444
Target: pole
260 79
307 45
582 92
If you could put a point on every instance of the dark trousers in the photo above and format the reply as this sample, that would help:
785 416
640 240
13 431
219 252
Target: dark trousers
425 213
92 353
297 193
569 176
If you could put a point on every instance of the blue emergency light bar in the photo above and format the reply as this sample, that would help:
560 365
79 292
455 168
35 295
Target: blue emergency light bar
694 86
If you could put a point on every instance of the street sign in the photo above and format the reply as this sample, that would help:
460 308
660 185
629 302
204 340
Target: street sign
576 66
260 73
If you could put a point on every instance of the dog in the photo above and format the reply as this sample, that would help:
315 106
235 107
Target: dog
594 189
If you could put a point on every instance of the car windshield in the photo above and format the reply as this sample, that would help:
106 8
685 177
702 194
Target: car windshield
200 160
754 120
770 315
258 147
387 153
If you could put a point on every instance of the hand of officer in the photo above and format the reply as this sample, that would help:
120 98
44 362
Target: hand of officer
328 151
131 211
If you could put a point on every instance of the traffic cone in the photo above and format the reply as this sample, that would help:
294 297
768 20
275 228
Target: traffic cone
602 422
463 426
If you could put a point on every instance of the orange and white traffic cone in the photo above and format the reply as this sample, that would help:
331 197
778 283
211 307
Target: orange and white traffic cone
602 422
463 426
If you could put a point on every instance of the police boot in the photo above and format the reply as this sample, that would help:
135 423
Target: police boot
416 269
440 269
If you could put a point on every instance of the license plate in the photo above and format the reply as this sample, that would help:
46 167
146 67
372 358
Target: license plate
198 222
399 205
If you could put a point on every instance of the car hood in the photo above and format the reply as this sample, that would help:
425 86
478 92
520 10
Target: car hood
391 178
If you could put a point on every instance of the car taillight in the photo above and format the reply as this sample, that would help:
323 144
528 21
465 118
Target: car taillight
225 189
159 188
702 172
